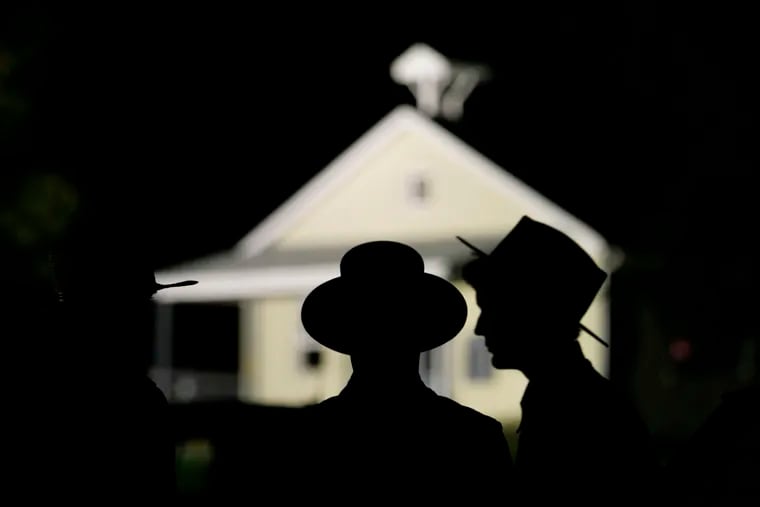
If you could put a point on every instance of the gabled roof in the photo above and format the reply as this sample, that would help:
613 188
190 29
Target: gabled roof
230 262
406 118
228 276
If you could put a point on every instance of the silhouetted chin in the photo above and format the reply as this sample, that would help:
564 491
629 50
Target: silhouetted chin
500 362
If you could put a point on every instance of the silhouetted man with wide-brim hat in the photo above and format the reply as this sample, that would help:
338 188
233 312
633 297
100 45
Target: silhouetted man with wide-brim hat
386 434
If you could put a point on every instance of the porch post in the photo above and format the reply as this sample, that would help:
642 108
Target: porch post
163 360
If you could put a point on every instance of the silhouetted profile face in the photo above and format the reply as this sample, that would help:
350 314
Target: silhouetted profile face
524 324
532 291
511 331
107 305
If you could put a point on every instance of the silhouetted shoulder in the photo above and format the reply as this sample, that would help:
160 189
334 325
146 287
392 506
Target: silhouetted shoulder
737 418
315 418
468 414
480 439
748 396
140 393
721 458
153 395
328 405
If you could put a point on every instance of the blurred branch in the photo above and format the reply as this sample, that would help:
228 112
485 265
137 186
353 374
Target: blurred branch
12 106
38 213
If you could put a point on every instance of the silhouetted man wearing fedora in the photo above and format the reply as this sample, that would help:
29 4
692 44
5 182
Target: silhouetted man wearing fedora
577 439
387 435
117 422
720 463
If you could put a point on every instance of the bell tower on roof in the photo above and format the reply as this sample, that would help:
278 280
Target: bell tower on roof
440 86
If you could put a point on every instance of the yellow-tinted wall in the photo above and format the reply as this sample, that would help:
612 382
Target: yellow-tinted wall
273 369
378 201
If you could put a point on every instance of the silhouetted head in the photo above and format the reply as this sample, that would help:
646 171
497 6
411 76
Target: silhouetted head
383 305
532 290
105 283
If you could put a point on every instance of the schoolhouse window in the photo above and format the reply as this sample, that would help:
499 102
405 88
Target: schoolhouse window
419 187
308 351
478 359
312 359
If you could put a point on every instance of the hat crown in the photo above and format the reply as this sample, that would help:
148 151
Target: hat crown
381 260
537 244
383 287
537 260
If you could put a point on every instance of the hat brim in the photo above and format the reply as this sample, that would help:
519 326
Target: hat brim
429 314
160 286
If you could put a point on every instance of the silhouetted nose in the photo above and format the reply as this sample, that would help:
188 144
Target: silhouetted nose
480 327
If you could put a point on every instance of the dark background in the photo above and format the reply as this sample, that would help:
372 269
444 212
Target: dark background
637 119
197 120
